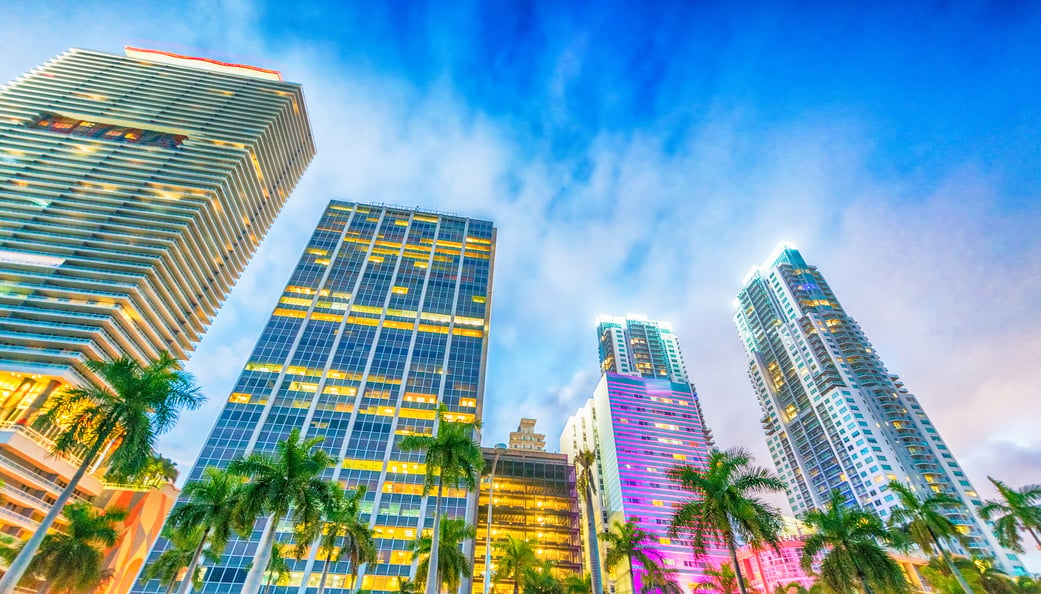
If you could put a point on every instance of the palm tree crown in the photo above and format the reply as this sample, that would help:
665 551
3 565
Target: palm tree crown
453 459
627 541
924 522
850 540
452 563
135 405
516 557
288 485
726 504
209 506
74 559
720 579
1017 509
179 555
342 533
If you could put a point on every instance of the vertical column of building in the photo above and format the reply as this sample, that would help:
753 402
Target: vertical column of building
834 417
383 319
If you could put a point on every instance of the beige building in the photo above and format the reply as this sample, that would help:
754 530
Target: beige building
134 189
525 438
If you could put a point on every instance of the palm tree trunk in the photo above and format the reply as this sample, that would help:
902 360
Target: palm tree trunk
261 558
17 569
950 563
433 586
632 575
46 587
594 544
325 573
737 567
170 588
186 584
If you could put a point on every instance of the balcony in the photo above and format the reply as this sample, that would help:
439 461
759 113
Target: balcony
34 448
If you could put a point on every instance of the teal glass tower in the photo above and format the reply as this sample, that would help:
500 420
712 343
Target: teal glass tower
384 318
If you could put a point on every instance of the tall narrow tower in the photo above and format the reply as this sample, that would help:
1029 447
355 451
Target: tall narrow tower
834 417
384 319
133 191
644 418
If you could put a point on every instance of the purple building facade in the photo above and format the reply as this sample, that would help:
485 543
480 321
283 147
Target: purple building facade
640 428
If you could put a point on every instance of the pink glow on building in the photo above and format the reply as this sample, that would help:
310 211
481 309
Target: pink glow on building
653 425
766 569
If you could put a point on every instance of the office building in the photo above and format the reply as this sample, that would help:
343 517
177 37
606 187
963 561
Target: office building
535 500
133 191
384 318
834 416
525 438
643 418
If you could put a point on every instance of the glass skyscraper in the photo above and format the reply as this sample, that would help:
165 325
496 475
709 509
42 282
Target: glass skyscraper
133 191
384 318
834 417
643 418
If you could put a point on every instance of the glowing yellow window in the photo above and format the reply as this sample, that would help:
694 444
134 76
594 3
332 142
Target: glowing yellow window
657 503
400 290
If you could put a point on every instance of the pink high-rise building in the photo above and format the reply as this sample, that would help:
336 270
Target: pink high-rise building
642 420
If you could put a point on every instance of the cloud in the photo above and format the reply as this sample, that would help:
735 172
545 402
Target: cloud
930 246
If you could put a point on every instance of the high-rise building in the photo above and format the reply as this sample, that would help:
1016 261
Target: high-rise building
133 191
634 345
834 417
643 419
384 318
534 500
525 438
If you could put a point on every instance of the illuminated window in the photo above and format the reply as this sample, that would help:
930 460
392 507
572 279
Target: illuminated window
84 129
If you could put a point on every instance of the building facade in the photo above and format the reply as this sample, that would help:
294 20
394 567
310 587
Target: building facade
133 191
525 438
384 319
834 417
634 345
535 500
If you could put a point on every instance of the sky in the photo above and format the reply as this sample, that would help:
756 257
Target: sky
642 157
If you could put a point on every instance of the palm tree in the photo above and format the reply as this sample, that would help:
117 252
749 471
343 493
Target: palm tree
342 532
155 472
135 406
584 461
406 586
791 588
452 459
980 574
209 506
574 584
180 554
721 579
539 579
629 542
453 564
851 538
726 504
277 568
516 557
659 579
1017 509
74 559
286 484
924 523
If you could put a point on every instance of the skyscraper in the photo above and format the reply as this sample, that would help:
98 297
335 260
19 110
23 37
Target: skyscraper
634 345
133 191
834 417
384 318
641 421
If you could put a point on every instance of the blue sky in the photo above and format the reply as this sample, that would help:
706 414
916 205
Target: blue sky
641 157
